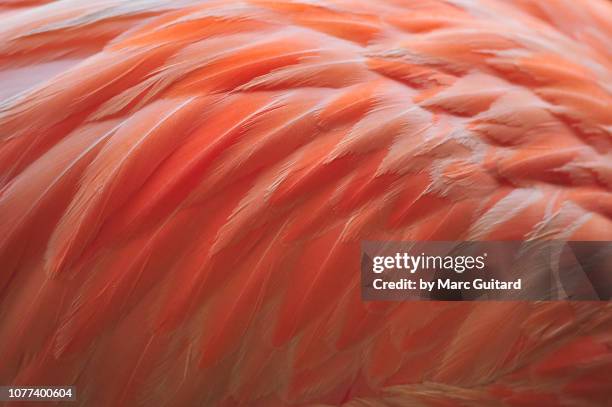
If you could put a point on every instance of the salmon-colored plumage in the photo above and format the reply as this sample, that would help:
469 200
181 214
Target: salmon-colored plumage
184 186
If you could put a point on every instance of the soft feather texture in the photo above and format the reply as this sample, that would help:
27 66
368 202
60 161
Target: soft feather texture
184 186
